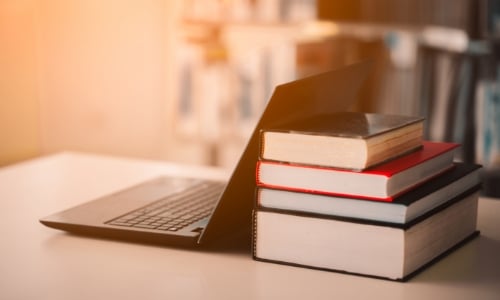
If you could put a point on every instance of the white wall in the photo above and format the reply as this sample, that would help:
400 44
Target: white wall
100 76
90 75
102 81
19 128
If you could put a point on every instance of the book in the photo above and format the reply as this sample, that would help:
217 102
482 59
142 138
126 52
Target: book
349 140
461 180
363 248
382 182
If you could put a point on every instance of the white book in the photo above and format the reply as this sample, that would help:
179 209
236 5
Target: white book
390 252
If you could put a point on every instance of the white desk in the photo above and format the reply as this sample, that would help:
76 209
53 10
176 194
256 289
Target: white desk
37 262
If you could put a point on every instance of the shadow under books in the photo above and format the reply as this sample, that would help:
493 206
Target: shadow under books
477 262
234 244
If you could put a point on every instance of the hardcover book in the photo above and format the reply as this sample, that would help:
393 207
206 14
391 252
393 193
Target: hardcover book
382 182
349 140
363 248
459 181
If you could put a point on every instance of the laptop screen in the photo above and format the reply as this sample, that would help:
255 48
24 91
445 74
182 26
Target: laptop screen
304 98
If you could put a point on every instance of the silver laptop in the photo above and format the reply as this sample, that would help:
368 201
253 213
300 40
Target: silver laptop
191 211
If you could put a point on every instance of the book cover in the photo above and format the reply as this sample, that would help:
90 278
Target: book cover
383 182
357 125
350 140
381 251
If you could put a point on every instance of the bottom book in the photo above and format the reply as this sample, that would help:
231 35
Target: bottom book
364 248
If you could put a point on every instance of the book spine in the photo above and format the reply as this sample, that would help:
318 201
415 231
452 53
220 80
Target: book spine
261 144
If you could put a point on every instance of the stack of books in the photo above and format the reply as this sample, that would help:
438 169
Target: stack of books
361 194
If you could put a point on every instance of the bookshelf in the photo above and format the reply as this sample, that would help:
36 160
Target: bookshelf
434 58
229 57
452 76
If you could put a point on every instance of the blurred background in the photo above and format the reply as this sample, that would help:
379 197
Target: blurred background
187 80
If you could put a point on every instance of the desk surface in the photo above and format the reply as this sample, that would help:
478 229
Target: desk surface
38 262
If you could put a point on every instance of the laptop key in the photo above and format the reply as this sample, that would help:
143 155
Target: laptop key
167 214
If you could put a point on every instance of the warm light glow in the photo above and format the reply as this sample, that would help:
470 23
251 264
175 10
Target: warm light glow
319 29
18 87
446 38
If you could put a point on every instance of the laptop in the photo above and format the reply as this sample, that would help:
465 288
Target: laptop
192 212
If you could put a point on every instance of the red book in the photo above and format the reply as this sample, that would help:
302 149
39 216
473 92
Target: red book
383 182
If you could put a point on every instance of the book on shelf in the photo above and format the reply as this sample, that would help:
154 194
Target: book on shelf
364 248
460 180
382 182
348 140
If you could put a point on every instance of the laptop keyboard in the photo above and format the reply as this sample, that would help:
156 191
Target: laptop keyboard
175 211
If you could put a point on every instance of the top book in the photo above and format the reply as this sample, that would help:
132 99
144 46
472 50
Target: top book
348 140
